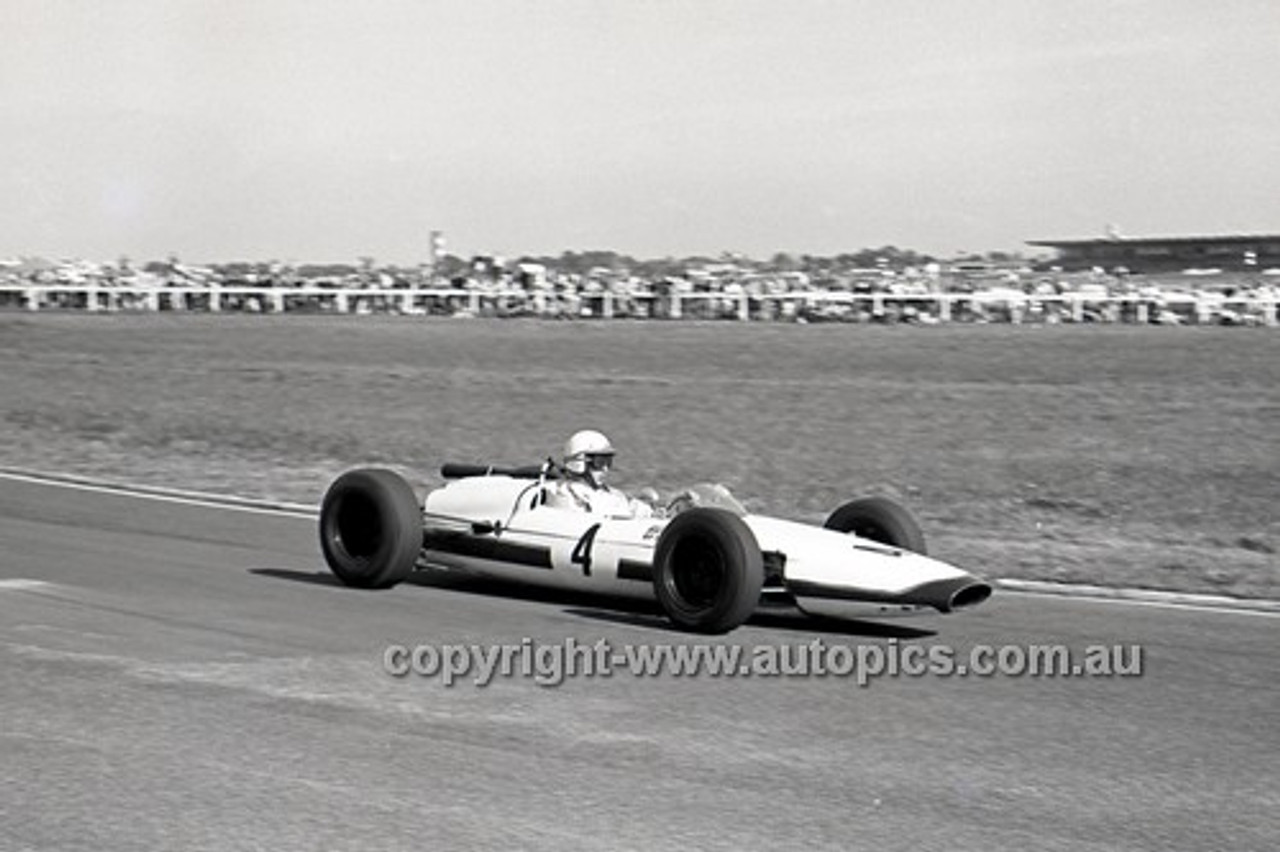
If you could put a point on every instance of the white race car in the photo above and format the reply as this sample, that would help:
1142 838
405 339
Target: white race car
706 560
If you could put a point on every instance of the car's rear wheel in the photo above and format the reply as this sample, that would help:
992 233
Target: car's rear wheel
881 520
708 570
370 528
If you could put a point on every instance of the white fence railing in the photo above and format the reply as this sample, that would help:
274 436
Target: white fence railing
834 305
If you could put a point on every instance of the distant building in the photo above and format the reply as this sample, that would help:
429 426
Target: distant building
1230 253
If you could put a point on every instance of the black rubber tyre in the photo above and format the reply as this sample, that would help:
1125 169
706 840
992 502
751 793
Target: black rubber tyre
370 528
879 519
707 570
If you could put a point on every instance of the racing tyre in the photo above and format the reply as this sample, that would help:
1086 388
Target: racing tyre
707 570
879 519
370 528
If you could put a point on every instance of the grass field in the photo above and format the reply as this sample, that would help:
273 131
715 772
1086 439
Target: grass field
1114 455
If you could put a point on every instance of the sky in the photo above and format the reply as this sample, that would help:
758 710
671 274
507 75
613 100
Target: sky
321 131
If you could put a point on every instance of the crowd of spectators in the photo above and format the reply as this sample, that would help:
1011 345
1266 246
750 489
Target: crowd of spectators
728 288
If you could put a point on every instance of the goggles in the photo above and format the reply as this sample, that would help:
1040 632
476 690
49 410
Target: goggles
599 461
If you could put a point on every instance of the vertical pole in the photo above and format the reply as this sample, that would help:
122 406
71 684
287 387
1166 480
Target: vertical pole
1202 312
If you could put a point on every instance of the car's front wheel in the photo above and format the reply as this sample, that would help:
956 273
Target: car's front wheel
708 570
370 528
881 520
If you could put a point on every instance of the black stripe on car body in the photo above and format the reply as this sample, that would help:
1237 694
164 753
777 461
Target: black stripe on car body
631 569
462 544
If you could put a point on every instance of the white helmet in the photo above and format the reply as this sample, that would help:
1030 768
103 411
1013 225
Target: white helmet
588 454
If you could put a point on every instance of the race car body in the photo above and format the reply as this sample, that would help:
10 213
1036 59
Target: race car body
707 561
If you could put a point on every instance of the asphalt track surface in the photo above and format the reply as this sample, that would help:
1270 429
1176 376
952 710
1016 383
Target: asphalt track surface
189 677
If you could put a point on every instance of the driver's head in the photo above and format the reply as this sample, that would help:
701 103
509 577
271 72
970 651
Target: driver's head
588 455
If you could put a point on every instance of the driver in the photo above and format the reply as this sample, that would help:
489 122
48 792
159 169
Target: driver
588 458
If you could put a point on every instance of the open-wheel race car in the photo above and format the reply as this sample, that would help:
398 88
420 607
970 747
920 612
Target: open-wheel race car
706 560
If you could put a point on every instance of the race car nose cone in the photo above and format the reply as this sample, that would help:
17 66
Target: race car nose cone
969 596
949 595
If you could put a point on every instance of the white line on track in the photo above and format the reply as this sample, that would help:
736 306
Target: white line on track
185 498
1067 594
1144 597
21 584
1084 594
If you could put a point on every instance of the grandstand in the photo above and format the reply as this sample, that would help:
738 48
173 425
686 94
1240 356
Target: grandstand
1226 253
